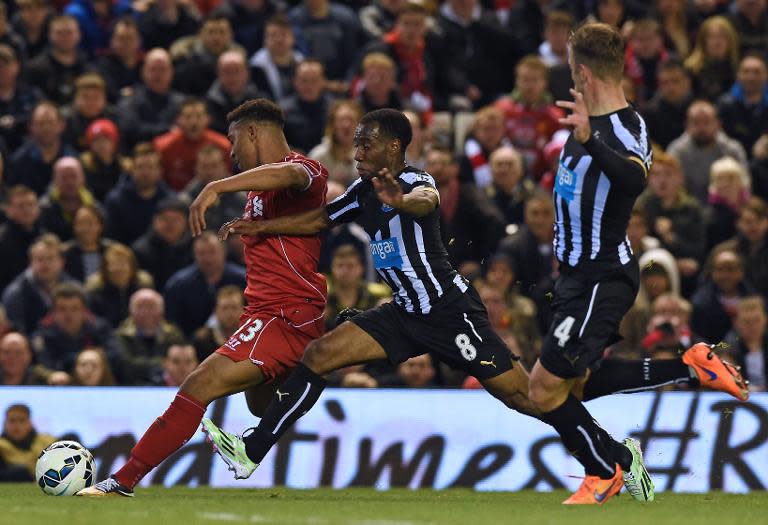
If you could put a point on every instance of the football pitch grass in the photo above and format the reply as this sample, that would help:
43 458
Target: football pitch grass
26 505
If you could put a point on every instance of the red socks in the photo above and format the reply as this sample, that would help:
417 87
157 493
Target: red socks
166 435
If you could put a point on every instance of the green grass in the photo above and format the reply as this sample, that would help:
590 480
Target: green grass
25 504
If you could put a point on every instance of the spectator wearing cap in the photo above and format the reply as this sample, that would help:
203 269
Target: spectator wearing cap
274 65
68 329
152 106
17 234
65 196
162 23
28 298
178 148
231 88
166 248
32 164
56 69
31 23
97 19
121 65
306 110
89 104
195 57
16 99
131 204
190 294
102 163
328 31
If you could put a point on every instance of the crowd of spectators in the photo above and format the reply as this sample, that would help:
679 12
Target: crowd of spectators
112 119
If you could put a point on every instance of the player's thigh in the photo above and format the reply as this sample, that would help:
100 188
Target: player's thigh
219 376
346 345
462 337
511 388
586 319
385 337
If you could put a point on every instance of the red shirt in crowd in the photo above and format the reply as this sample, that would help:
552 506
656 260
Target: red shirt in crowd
530 128
179 155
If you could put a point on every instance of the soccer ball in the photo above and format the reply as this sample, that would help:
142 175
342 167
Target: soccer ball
64 468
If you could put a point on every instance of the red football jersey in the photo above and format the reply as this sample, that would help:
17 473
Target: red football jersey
282 269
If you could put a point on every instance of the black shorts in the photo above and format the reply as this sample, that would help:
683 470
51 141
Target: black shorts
586 318
458 334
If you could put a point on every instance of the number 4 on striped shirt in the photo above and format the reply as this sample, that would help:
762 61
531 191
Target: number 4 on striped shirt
563 331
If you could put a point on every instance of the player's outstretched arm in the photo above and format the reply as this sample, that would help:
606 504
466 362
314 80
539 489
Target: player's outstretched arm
421 201
307 223
625 171
276 176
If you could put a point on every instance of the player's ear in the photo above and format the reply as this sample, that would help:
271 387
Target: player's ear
394 146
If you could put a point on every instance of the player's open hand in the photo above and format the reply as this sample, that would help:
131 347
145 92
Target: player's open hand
388 190
238 226
204 200
578 118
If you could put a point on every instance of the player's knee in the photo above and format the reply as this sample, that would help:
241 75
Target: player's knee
539 395
202 385
317 356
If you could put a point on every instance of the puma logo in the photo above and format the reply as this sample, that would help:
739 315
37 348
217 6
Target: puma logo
489 363
280 395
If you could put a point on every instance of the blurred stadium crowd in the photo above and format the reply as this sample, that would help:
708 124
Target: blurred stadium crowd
112 119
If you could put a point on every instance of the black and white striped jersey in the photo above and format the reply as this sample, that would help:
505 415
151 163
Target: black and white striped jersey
407 251
596 186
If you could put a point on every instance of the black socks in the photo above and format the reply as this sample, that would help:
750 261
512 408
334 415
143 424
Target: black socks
292 400
616 376
586 440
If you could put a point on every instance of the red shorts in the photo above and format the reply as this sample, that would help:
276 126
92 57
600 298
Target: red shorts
275 341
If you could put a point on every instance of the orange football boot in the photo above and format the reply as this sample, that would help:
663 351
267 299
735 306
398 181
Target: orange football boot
596 491
715 373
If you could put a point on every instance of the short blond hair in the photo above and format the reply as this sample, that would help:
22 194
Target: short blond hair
729 165
378 60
